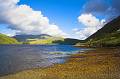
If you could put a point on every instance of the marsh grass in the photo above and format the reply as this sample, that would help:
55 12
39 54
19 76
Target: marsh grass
97 64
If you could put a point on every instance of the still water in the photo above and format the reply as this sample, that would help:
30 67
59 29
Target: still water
14 58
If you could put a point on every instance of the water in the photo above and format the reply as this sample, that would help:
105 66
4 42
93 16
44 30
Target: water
14 58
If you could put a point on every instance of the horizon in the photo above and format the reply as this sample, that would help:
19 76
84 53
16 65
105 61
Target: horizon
70 19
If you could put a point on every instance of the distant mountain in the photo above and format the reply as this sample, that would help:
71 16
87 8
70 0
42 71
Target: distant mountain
67 41
45 39
7 40
24 38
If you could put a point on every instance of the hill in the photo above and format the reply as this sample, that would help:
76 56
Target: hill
110 27
45 39
7 40
67 41
109 35
24 38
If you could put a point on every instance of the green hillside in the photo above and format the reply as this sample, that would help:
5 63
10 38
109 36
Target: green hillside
45 39
67 41
110 40
7 40
109 28
53 40
25 38
108 36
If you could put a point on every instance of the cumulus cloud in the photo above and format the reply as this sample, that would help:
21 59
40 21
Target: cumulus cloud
25 20
91 23
108 9
89 20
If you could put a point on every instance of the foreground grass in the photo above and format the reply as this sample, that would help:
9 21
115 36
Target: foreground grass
97 64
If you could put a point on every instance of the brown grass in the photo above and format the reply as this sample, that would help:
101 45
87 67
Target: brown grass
97 64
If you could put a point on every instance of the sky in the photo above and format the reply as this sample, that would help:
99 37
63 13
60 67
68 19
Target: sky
62 18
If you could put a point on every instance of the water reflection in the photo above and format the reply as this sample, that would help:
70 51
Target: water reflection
14 58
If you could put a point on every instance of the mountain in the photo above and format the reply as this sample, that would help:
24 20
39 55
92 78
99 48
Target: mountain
45 39
24 38
67 41
110 27
109 35
54 40
7 40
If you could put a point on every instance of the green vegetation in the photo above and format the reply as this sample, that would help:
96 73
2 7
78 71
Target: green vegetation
25 38
67 41
109 40
54 40
37 39
97 64
7 40
108 36
45 39
109 28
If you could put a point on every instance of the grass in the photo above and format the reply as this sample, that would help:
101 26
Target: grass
41 41
47 41
110 40
7 40
96 64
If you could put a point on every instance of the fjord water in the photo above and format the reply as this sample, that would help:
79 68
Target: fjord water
14 58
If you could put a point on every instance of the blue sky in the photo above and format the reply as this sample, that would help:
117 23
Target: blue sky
74 18
61 12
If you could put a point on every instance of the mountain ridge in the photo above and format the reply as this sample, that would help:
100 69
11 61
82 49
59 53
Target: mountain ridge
108 36
110 27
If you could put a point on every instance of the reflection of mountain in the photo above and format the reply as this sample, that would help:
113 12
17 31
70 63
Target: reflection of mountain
109 35
7 40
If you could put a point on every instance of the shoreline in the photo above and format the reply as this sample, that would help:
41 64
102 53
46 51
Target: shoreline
95 64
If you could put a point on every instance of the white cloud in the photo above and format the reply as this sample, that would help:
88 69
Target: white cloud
91 23
26 20
89 20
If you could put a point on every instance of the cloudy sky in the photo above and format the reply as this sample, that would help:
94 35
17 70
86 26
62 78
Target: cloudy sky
65 18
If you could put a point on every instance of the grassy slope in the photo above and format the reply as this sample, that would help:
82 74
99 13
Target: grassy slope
7 40
45 39
112 39
67 41
49 40
109 28
24 38
41 41
53 40
106 36
97 64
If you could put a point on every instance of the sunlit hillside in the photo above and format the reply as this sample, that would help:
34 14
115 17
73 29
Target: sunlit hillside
7 40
